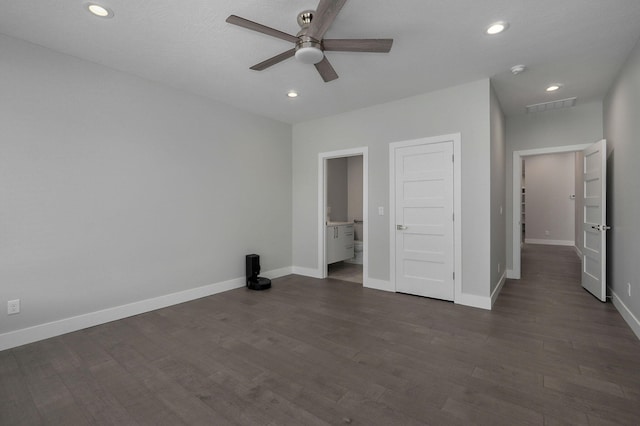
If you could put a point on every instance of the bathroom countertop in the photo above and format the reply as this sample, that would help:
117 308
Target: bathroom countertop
329 223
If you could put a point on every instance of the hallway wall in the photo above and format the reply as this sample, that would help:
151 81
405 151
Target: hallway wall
622 130
572 126
549 210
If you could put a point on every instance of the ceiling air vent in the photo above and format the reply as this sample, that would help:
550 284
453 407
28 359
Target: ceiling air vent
546 106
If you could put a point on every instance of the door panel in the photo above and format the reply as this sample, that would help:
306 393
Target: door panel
424 213
594 228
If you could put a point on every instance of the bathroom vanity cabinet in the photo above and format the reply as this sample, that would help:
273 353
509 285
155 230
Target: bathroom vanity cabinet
339 241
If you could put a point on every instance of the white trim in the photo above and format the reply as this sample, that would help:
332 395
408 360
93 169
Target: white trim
578 252
277 273
498 289
629 317
569 243
38 332
307 272
482 302
511 275
322 206
379 285
457 203
516 195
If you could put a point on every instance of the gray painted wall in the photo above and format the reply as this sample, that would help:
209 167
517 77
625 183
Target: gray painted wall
337 189
354 183
498 218
114 189
463 109
622 131
550 180
572 126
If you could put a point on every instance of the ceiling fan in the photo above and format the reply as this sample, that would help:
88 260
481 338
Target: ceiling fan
309 43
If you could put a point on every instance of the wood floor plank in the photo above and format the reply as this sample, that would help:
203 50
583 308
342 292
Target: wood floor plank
320 352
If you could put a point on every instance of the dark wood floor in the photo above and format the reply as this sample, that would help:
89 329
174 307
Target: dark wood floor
330 352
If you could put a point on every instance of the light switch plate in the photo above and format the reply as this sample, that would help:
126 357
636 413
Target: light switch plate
380 211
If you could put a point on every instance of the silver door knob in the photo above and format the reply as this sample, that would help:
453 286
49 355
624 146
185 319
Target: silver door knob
401 227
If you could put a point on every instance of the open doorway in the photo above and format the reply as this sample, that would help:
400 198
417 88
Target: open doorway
344 239
539 228
343 200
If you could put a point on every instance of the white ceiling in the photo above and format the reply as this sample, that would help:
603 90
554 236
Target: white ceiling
188 45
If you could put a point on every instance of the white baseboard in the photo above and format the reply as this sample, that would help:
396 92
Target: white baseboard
498 289
578 251
379 284
626 313
277 273
474 301
511 275
307 272
550 242
38 332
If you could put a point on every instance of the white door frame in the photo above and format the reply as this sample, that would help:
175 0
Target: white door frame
322 207
517 192
457 201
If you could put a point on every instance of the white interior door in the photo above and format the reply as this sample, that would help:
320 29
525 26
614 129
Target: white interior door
424 240
594 226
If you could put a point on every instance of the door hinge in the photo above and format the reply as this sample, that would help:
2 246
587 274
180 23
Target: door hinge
454 276
453 158
453 217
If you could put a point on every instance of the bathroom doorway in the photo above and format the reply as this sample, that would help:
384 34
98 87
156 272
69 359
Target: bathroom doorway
343 230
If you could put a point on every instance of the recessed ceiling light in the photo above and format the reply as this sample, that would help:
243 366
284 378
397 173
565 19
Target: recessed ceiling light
100 11
554 87
497 27
292 94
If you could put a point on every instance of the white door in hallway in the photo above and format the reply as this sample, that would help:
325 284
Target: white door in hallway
594 215
424 239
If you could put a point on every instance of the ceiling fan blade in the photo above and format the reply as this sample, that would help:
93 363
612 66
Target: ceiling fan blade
326 13
376 45
272 61
245 23
326 70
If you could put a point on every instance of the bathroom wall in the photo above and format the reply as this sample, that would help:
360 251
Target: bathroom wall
354 189
337 193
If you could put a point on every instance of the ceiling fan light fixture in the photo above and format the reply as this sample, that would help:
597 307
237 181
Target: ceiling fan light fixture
309 55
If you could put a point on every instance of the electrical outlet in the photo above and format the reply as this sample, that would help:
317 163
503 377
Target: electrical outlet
629 289
547 233
13 307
